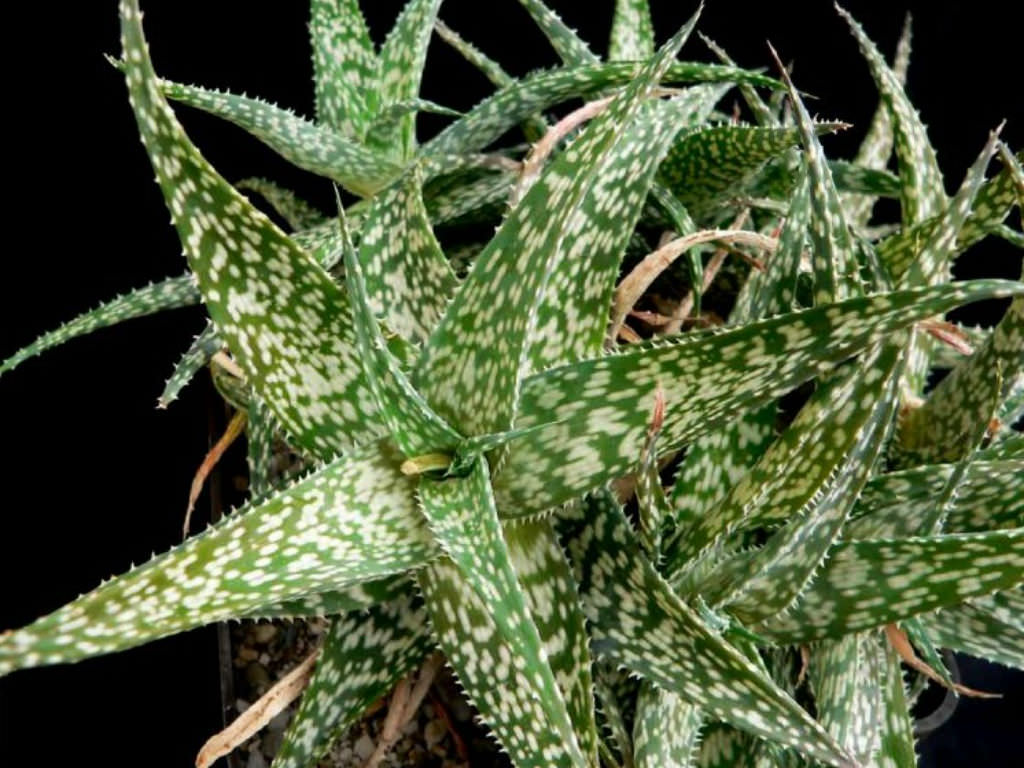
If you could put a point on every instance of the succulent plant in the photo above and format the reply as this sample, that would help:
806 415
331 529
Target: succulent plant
703 532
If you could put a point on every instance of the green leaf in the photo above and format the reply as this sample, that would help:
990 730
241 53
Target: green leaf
413 425
297 213
496 680
388 123
723 746
896 504
762 113
365 654
464 201
285 320
922 192
259 435
359 597
667 729
496 114
833 261
940 430
991 205
638 621
171 293
313 148
552 597
866 584
706 165
975 631
533 126
199 353
567 44
815 471
471 368
859 180
463 518
408 279
345 67
401 68
875 148
591 416
897 748
846 677
632 35
353 521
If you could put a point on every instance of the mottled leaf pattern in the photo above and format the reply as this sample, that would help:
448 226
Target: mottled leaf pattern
512 104
202 348
409 282
474 381
168 294
345 67
897 742
866 584
567 44
301 360
364 654
666 730
922 193
309 146
674 649
587 403
971 629
846 676
632 35
297 213
401 67
353 521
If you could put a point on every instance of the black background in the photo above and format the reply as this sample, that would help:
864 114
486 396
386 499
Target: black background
96 478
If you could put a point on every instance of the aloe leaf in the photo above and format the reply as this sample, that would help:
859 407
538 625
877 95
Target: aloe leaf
975 631
408 279
1012 236
637 620
761 112
667 729
846 677
496 114
866 584
283 317
723 746
297 213
940 429
832 256
353 521
358 597
567 44
463 518
816 469
875 148
414 426
466 202
897 504
388 122
897 742
533 126
471 368
861 180
202 348
632 34
591 416
365 653
1007 607
313 148
401 68
992 204
613 704
922 192
171 293
496 680
345 67
924 644
259 434
705 165
553 600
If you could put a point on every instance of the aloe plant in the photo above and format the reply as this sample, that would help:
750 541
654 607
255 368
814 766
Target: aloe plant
472 432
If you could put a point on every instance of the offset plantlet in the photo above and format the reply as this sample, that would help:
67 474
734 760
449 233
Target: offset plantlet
463 422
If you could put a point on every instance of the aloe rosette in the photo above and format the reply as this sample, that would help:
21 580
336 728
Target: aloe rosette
485 461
